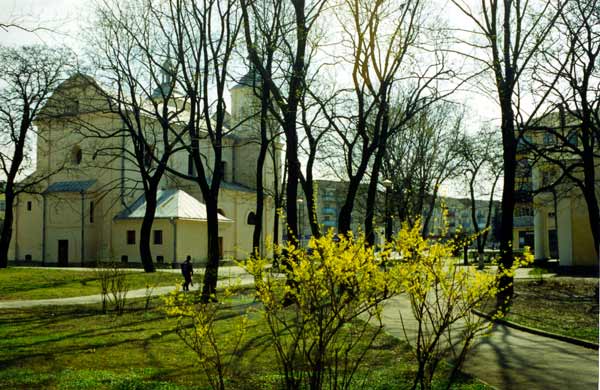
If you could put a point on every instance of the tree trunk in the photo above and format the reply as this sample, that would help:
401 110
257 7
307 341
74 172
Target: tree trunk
372 197
293 177
6 234
260 195
146 229
345 217
508 205
311 204
593 210
211 272
589 179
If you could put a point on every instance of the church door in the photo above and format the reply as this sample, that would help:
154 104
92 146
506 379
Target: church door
220 247
63 252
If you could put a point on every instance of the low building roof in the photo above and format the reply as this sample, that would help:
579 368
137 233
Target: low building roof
70 186
171 203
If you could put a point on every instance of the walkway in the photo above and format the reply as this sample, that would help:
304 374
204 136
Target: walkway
228 276
511 359
506 359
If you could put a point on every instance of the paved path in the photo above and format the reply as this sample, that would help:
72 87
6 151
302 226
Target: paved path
512 359
230 276
507 359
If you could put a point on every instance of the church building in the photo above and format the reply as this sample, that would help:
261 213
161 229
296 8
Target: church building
90 206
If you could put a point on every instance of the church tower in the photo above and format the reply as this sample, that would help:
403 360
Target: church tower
245 124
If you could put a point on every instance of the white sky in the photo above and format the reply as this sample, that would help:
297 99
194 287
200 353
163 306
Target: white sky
60 22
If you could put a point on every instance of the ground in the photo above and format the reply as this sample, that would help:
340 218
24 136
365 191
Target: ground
566 306
20 283
76 347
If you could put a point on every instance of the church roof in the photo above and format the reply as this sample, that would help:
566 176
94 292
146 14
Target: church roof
250 79
171 203
70 186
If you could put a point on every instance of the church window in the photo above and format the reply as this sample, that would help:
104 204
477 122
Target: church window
251 220
28 205
158 237
130 237
72 107
191 166
76 155
223 166
92 212
572 138
148 155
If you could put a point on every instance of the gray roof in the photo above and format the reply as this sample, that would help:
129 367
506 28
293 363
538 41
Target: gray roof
171 203
250 79
70 186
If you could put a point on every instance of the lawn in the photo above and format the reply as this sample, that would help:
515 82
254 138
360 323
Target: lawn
76 347
41 283
566 306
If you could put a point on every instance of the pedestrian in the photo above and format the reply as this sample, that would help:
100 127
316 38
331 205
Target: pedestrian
187 271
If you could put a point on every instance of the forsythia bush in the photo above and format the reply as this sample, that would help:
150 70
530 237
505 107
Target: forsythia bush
442 294
196 327
324 313
313 313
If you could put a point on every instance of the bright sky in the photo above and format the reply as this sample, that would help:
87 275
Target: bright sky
59 22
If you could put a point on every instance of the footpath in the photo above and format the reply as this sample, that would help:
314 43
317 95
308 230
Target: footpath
506 358
510 359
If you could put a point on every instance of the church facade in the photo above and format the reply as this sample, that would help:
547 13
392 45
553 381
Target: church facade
90 207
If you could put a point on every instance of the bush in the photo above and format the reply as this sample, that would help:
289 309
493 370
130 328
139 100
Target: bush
443 295
196 328
113 286
318 338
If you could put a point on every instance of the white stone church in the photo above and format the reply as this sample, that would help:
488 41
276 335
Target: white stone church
92 209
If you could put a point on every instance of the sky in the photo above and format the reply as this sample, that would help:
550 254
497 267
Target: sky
60 22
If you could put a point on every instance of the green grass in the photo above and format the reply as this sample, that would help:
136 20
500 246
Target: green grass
42 283
558 305
75 347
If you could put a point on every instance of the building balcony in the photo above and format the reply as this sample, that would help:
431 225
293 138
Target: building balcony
523 221
331 223
328 211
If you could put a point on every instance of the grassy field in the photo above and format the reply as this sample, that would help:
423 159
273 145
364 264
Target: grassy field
41 283
564 306
78 348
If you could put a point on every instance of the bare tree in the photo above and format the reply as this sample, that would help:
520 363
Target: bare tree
507 34
132 58
383 38
28 76
482 170
202 39
572 125
266 19
293 27
420 158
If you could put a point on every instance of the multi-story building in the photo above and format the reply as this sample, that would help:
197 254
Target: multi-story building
330 197
559 211
458 215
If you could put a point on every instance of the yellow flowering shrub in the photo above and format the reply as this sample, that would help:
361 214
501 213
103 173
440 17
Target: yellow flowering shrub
313 313
196 327
443 294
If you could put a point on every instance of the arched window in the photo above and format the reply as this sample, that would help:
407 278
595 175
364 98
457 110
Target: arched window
251 220
148 155
76 155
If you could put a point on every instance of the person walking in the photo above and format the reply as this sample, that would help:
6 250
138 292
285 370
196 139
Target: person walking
187 270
